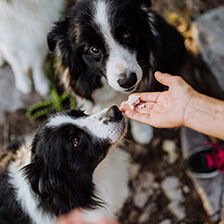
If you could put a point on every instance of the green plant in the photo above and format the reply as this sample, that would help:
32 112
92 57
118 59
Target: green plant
56 102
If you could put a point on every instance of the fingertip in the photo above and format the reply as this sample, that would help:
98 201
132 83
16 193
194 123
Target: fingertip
163 78
158 73
123 107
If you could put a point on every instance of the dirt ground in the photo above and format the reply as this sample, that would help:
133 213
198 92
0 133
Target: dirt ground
149 160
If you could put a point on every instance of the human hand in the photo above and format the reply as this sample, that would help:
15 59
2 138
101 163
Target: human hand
76 217
162 109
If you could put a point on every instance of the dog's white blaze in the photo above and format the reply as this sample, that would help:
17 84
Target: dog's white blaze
94 124
120 59
24 193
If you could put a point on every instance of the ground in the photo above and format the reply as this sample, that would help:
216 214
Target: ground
160 190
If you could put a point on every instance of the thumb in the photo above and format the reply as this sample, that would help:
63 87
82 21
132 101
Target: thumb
164 78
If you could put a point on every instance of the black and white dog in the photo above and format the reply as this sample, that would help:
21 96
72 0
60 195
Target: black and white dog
110 48
69 164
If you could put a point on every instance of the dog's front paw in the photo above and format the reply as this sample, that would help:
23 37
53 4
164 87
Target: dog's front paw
141 133
42 85
24 85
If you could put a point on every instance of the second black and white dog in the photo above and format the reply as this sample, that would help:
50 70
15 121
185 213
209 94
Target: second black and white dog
110 48
69 164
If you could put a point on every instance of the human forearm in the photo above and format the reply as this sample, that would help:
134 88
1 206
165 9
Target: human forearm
206 115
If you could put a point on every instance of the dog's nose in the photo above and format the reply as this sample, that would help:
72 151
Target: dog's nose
114 114
127 81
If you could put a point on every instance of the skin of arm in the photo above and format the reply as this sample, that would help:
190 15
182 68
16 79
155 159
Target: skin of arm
179 106
206 115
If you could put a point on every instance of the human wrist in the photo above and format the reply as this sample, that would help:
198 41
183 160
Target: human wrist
192 102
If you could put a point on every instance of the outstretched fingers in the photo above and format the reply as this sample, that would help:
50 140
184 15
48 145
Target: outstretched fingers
143 118
141 108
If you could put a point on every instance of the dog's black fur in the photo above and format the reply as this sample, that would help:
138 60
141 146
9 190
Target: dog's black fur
159 46
63 159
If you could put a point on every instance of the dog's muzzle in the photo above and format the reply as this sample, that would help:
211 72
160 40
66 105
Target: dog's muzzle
114 114
128 81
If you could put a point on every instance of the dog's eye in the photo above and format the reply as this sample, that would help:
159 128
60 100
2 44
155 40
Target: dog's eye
126 36
77 142
94 50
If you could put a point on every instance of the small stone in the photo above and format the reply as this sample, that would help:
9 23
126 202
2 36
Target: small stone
140 199
186 189
145 217
147 180
177 210
169 147
144 189
166 221
133 216
155 142
155 185
12 137
172 190
134 170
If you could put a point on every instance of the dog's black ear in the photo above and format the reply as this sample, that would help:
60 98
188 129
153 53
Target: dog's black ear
58 33
46 160
147 3
137 3
168 44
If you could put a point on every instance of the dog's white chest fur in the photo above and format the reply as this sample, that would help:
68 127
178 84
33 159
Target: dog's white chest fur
111 178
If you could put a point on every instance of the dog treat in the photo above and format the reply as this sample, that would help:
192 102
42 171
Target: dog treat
141 106
133 101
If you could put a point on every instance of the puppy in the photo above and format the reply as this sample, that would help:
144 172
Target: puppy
110 48
69 164
24 25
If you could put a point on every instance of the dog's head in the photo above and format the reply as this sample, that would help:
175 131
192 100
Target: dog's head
102 39
65 153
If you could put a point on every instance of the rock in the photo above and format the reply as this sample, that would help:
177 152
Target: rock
133 216
169 147
145 217
155 185
177 210
140 199
172 190
166 221
209 33
134 169
147 180
144 189
186 189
